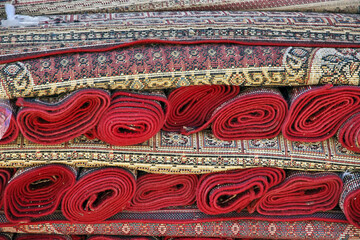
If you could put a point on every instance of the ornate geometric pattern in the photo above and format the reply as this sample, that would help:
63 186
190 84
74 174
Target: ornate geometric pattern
175 153
104 29
168 66
246 227
39 7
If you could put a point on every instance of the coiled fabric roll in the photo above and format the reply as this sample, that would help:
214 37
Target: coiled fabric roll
37 191
350 198
156 191
349 133
316 113
119 237
41 237
61 120
302 193
12 132
132 118
254 114
226 192
98 194
193 106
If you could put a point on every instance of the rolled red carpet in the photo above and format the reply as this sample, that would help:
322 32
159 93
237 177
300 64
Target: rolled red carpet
132 118
37 191
41 237
226 192
316 113
192 106
62 120
156 191
254 114
349 133
350 198
98 195
302 193
12 132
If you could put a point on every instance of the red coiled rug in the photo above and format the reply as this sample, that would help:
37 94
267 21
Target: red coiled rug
98 194
193 106
316 113
42 237
156 191
350 198
12 132
254 114
349 133
302 193
225 192
132 118
61 120
37 191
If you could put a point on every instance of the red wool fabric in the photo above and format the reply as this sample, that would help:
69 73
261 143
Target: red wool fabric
54 123
350 198
132 118
156 191
219 193
302 193
192 106
41 237
349 133
254 114
98 195
316 113
37 191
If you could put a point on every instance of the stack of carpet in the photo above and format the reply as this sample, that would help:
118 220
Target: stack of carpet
180 120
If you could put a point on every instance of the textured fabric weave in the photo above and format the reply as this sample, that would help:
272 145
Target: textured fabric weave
302 193
98 194
157 191
54 123
36 192
219 193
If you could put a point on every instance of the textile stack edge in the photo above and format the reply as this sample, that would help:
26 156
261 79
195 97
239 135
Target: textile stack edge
216 123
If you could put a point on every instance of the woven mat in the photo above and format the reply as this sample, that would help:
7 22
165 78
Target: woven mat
175 153
234 42
40 7
153 224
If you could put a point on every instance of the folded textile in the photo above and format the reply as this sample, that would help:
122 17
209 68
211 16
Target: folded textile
126 51
132 118
316 113
61 120
98 194
157 191
37 191
192 106
301 193
350 198
254 114
41 237
61 6
219 193
349 133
